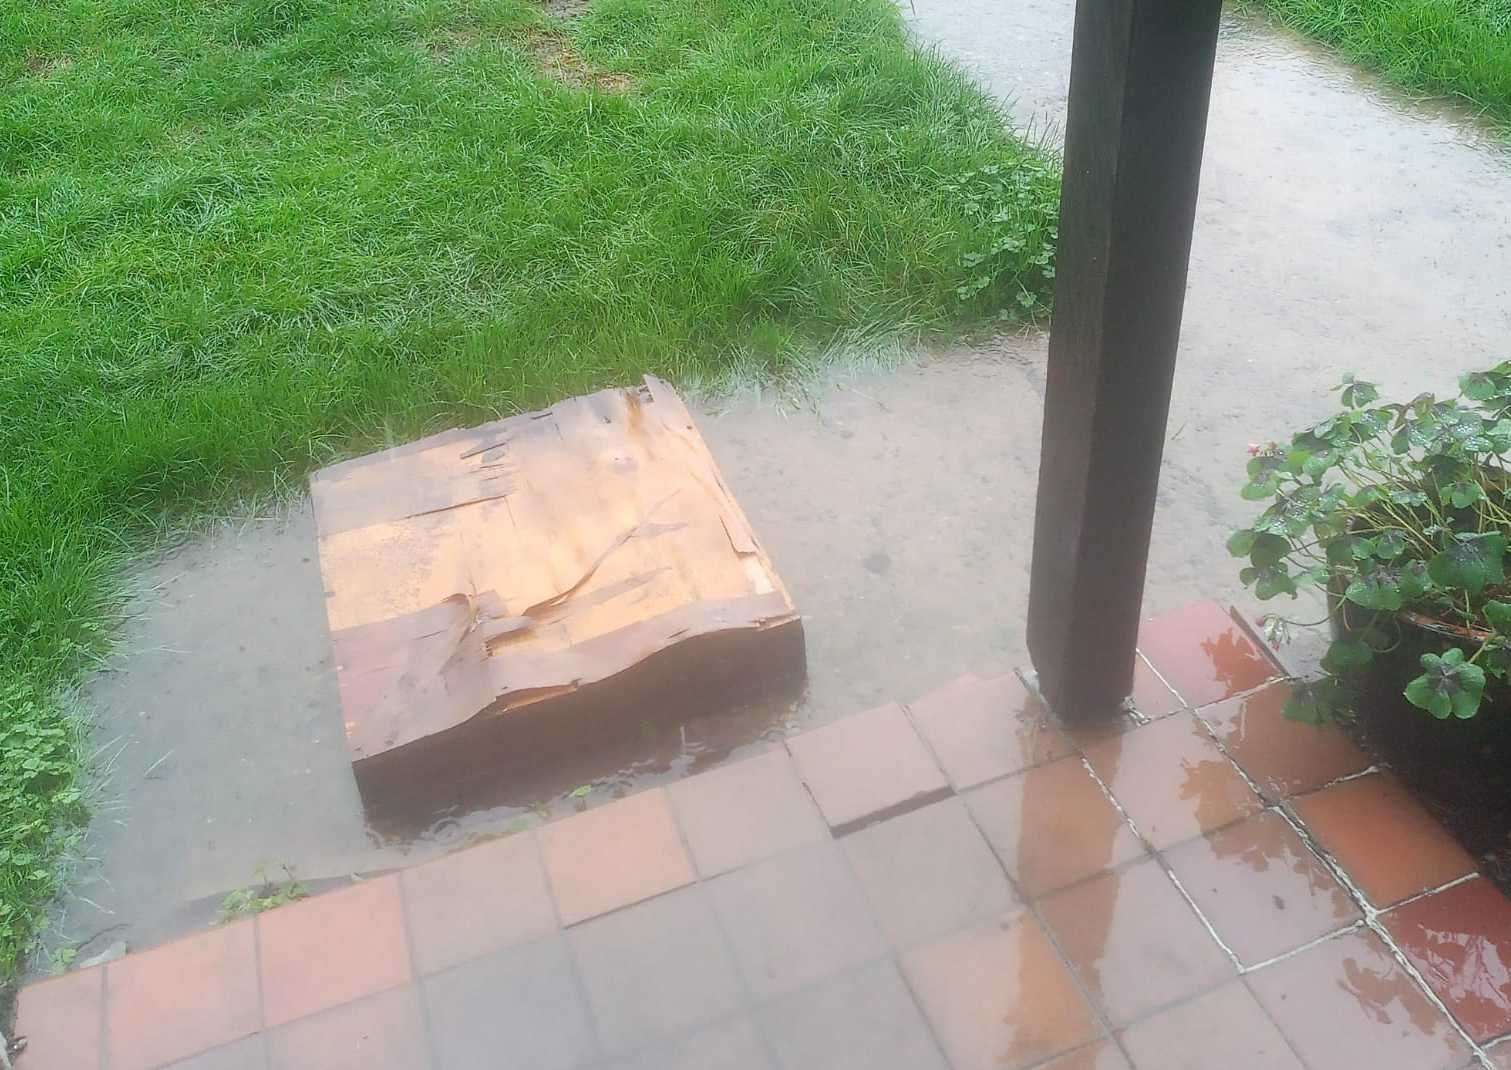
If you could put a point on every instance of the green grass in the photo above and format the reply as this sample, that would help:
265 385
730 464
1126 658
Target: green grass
241 237
1454 48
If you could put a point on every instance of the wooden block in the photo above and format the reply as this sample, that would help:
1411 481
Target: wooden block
492 588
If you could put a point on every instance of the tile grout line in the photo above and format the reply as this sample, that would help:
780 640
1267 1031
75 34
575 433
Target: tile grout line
431 1051
1370 914
262 1014
1031 909
1115 1037
579 986
1351 927
750 1005
1372 922
1169 871
104 1023
895 954
1184 705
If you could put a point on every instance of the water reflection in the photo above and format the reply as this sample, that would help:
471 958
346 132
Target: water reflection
468 798
1385 991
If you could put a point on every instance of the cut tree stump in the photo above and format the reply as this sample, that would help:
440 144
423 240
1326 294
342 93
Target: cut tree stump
498 592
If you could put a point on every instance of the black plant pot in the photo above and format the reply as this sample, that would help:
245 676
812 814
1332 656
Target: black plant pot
1462 767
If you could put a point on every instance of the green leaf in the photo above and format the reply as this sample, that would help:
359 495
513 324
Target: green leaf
1273 580
1390 544
1420 693
1359 393
1479 386
1265 466
1499 616
1318 702
1461 494
1408 496
1341 550
1413 580
1268 550
1318 463
1450 685
1241 542
1259 491
1470 563
1376 589
1345 655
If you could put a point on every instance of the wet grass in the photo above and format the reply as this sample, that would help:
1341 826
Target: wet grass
239 238
1452 48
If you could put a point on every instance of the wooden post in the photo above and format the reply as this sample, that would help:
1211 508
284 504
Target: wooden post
1140 79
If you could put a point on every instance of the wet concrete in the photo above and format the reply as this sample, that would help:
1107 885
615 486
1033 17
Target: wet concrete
1339 229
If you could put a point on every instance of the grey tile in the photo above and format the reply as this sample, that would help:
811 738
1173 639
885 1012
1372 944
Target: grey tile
796 918
244 1054
865 1020
517 1008
655 969
929 873
730 1045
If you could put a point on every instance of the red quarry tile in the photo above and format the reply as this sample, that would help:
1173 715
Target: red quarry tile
517 1009
1087 733
867 767
248 1053
928 873
1103 1056
478 900
1172 780
863 1020
62 1021
1348 1003
744 812
382 1032
999 997
733 1044
655 970
1460 940
614 856
331 949
1204 653
984 729
1150 695
1224 1028
1135 942
1261 888
182 998
795 918
1052 826
1282 756
1383 838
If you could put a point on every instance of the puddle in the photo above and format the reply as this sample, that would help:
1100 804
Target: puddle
1335 233
228 761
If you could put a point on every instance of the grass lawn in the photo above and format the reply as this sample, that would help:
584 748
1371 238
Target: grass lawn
1455 48
241 237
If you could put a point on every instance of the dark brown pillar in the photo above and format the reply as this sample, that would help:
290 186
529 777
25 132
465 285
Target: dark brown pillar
1140 79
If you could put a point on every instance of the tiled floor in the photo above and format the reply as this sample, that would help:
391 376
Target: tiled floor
959 884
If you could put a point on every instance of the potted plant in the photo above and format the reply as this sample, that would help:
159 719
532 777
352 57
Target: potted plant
1400 514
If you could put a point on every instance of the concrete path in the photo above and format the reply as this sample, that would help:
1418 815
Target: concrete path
1340 228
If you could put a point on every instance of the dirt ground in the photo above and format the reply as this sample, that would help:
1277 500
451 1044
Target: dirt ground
1339 229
